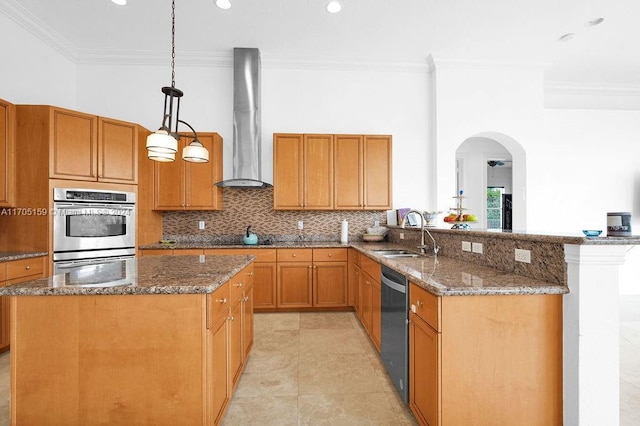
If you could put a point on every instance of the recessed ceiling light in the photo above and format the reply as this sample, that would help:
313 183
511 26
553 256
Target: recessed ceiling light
566 37
119 2
334 6
594 22
223 4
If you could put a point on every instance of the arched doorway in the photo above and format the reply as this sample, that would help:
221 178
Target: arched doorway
488 165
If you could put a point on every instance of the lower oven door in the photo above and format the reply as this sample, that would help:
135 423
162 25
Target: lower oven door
78 227
101 272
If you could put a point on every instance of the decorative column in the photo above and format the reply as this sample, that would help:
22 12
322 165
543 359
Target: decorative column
591 351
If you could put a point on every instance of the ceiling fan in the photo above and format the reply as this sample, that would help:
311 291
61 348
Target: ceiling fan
494 163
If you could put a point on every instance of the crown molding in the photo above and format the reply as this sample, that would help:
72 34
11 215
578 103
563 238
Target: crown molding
411 65
154 58
21 16
591 89
436 61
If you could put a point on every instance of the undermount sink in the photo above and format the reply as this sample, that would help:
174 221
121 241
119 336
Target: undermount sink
392 253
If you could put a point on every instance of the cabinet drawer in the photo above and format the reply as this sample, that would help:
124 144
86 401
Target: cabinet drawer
371 267
156 252
187 252
3 270
427 306
295 255
330 255
237 284
262 255
218 304
25 268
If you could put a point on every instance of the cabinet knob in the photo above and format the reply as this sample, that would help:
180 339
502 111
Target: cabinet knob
231 318
237 285
419 304
28 267
250 274
330 254
293 255
223 300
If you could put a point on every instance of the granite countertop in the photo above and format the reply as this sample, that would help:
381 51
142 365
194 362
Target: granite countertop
8 256
142 275
444 276
217 245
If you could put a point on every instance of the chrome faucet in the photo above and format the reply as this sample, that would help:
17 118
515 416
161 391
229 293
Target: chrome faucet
423 228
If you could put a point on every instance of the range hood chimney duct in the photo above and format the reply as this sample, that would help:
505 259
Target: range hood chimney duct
247 144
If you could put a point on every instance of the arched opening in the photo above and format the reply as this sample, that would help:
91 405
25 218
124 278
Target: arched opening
491 171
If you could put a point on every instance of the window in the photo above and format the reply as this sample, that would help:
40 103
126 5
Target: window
494 207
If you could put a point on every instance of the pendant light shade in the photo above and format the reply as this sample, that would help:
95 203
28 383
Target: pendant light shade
163 144
195 152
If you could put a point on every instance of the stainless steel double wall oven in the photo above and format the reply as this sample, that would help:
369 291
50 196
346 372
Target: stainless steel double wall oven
92 227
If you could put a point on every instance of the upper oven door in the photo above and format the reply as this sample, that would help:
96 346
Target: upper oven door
92 226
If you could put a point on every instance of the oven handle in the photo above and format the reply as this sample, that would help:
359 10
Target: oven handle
76 263
76 206
393 285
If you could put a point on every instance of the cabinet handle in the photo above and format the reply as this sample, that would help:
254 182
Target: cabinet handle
250 274
28 267
419 304
238 285
223 300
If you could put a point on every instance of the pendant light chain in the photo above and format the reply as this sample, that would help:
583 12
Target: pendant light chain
173 44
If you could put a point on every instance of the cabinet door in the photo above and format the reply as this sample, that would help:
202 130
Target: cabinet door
377 173
264 285
376 313
288 169
318 172
7 146
330 284
74 144
200 192
247 322
4 323
424 346
236 349
294 285
169 183
117 151
364 292
348 172
217 365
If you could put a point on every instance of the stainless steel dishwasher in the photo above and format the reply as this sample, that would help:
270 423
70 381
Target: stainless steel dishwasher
394 347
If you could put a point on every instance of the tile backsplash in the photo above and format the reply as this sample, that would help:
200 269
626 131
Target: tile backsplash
244 207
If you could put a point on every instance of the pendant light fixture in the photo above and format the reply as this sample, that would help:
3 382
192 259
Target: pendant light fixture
163 144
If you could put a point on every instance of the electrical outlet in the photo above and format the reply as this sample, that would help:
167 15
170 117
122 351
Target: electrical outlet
401 235
466 246
376 223
523 255
300 225
201 224
476 248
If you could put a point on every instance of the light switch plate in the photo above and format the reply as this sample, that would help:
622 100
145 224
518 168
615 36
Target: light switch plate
466 246
300 225
476 248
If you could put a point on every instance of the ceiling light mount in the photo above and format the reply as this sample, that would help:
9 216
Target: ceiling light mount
163 144
223 4
566 37
334 6
594 22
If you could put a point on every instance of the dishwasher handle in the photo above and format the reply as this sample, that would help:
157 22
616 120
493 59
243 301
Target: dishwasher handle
393 285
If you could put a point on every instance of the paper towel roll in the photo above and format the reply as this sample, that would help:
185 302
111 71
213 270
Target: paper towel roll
344 232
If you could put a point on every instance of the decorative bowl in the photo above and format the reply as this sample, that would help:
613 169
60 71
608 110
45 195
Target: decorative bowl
592 232
371 237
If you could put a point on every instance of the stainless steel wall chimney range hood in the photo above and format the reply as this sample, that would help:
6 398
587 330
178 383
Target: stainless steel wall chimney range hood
247 144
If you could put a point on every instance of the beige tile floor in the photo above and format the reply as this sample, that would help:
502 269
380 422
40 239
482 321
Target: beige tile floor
313 368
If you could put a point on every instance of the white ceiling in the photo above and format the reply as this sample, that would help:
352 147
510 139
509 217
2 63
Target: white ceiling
403 31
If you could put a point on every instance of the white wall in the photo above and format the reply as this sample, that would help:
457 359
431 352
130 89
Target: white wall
31 71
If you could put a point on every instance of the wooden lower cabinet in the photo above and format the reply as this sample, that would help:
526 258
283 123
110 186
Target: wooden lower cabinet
136 359
14 272
485 360
265 285
295 281
369 307
364 294
376 313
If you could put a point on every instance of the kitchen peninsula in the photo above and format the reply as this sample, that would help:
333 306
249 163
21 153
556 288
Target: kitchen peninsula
157 340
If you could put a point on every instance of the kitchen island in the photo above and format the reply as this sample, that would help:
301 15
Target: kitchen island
159 340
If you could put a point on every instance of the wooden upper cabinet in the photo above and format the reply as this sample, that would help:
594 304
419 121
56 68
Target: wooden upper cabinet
288 169
318 172
182 185
73 147
378 173
7 150
332 172
117 151
348 172
303 172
